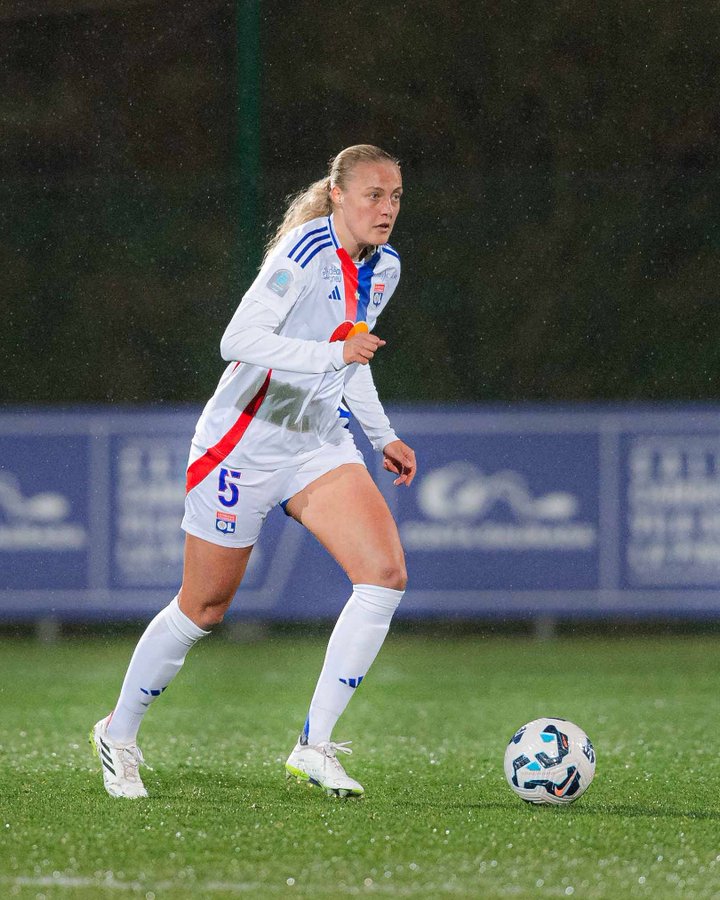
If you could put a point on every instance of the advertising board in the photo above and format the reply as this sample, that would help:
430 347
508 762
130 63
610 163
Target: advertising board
526 511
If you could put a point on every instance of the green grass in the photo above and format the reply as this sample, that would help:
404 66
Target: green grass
429 727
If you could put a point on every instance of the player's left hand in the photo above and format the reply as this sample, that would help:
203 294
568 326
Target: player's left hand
400 460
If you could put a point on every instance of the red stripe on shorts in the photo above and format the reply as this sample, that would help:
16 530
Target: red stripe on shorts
204 465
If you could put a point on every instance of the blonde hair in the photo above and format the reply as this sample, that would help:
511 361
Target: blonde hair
315 200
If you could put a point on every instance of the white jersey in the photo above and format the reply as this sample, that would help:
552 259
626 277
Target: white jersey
278 398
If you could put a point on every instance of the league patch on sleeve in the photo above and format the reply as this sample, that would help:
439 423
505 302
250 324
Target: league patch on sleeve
280 282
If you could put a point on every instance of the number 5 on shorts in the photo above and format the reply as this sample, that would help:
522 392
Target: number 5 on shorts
228 492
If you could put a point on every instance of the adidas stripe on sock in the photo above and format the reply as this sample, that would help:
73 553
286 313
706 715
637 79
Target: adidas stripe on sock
355 641
158 657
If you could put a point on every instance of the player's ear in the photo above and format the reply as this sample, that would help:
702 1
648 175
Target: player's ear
336 195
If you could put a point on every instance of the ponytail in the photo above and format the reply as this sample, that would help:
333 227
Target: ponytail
308 204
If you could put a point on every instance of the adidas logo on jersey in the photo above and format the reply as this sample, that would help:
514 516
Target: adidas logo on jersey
335 294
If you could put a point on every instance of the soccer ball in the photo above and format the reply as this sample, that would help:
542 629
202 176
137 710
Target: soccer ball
549 761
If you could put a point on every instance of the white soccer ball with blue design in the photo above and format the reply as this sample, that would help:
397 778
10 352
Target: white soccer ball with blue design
549 761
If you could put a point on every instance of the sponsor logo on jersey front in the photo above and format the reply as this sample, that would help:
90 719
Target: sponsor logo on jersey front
331 273
389 274
335 294
377 296
280 282
225 522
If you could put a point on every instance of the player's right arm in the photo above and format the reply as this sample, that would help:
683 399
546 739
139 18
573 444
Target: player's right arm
251 335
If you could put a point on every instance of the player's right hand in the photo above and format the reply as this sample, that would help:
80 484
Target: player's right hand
361 348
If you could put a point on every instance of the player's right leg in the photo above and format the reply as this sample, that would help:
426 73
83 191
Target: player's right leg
223 517
211 577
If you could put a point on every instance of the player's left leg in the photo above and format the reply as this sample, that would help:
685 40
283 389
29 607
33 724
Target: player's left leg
346 512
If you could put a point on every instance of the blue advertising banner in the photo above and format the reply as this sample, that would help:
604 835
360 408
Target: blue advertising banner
489 499
44 511
527 511
671 507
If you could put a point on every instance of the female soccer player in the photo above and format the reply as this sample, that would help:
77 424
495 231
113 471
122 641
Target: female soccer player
299 344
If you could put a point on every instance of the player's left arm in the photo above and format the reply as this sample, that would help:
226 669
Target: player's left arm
400 460
362 399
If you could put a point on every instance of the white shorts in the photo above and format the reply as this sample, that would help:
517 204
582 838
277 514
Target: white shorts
229 505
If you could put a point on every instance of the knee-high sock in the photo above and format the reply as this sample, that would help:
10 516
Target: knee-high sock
157 659
354 644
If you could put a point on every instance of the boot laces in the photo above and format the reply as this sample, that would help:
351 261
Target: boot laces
332 748
131 759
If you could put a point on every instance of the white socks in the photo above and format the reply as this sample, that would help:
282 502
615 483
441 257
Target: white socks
354 644
355 641
157 659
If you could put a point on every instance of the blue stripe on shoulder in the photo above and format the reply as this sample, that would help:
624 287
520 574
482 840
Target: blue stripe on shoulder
315 252
305 237
303 252
307 247
386 248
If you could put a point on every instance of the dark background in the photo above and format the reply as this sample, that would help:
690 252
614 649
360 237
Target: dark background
559 229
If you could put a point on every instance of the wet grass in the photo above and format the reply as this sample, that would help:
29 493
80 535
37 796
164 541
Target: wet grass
429 728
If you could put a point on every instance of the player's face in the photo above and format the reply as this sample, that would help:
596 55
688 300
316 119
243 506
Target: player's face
366 210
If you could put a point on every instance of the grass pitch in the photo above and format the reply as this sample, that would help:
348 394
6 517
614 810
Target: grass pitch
429 727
